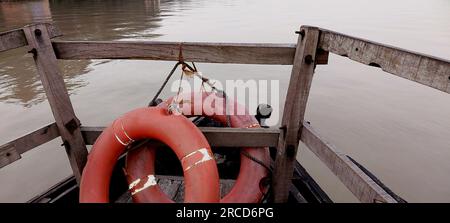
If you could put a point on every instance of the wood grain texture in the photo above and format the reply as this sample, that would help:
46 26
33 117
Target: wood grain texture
8 154
217 137
167 182
68 125
11 151
240 53
361 185
16 38
12 39
424 69
170 187
294 111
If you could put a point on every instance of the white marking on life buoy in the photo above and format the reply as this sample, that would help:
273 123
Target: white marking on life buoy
120 141
130 140
205 157
151 181
133 184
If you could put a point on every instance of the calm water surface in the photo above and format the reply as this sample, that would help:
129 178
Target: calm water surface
397 129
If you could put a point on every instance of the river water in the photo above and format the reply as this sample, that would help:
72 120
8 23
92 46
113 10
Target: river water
397 129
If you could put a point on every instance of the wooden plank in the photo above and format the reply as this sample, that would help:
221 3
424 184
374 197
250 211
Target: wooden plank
217 137
240 53
361 185
8 155
225 186
35 138
68 125
12 39
294 111
11 151
16 38
322 57
90 134
170 187
377 181
179 197
238 137
424 69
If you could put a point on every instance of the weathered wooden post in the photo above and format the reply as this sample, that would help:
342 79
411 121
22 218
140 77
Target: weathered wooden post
294 111
57 95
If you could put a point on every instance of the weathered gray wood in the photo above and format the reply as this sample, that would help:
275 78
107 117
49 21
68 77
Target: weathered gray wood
238 137
16 38
12 39
170 187
241 53
90 134
361 185
225 186
424 69
217 137
322 57
8 155
11 151
294 111
58 98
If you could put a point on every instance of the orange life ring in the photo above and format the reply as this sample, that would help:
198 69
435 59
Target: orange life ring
249 186
176 131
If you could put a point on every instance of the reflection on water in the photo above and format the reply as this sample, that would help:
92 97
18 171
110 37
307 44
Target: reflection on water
20 84
78 20
17 80
95 20
397 129
15 14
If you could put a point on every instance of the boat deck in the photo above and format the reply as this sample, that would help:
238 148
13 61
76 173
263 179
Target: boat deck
173 187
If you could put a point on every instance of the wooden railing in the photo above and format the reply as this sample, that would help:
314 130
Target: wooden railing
312 48
424 69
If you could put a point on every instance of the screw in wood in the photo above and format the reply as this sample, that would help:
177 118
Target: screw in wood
308 59
71 125
301 32
290 151
37 32
33 51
